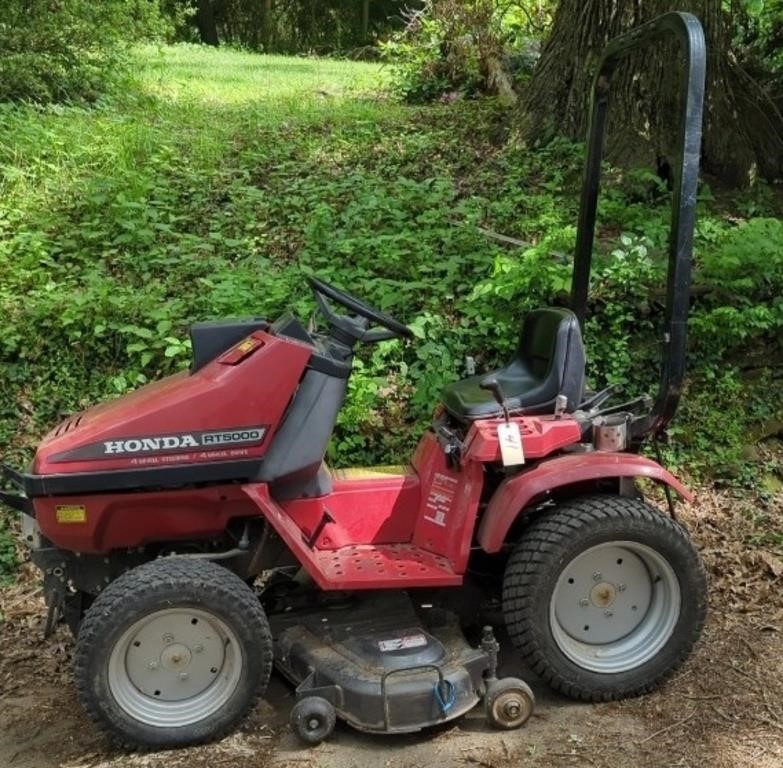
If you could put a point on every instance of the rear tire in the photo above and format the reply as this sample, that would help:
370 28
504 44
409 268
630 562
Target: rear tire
604 597
174 652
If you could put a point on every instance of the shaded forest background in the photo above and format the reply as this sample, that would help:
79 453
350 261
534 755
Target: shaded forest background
540 51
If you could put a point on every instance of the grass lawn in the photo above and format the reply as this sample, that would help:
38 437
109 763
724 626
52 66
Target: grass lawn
223 77
192 99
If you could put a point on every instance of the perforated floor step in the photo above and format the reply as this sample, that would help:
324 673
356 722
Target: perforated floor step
364 566
385 565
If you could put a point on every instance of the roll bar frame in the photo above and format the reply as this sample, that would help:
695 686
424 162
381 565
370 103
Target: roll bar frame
688 31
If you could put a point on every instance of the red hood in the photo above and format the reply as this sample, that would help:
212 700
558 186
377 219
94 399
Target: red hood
226 410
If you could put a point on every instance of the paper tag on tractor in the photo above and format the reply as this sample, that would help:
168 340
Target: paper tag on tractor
510 440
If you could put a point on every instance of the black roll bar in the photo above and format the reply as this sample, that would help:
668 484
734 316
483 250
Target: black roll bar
688 31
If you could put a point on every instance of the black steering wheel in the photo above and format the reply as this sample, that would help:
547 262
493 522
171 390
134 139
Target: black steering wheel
343 324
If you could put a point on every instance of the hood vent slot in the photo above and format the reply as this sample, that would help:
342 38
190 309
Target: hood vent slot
68 424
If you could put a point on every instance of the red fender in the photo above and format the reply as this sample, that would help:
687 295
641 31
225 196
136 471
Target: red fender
515 493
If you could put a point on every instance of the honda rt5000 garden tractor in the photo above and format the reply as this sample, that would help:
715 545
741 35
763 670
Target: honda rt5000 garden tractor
152 517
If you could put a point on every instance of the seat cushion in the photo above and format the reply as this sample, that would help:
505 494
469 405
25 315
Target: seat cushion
549 361
465 399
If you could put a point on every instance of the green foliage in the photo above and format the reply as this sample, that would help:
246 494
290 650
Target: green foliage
744 279
8 558
453 47
759 36
69 50
294 26
229 176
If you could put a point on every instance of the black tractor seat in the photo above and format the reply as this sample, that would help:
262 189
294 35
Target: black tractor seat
549 361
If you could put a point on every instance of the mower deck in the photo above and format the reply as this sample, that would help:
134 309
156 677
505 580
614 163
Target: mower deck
386 666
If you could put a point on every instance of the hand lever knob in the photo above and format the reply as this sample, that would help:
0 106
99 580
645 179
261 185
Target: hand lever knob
491 384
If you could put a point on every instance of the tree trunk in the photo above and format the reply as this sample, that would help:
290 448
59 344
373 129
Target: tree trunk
743 131
365 20
266 26
205 21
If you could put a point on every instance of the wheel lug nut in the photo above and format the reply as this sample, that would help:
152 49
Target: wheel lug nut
168 638
597 576
608 613
153 665
621 587
183 675
584 602
198 648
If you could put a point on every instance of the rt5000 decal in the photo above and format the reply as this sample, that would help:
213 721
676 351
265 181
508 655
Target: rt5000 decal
144 445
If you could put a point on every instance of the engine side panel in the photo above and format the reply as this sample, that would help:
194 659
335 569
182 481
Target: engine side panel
100 523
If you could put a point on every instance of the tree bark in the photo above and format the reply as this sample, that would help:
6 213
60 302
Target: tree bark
205 21
365 20
266 26
743 131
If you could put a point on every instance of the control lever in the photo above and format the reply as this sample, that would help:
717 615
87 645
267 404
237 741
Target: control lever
643 401
453 447
599 398
491 384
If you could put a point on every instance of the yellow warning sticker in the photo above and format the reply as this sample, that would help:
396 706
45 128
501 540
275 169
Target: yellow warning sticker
71 513
368 473
246 346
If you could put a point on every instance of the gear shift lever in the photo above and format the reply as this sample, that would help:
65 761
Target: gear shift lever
491 384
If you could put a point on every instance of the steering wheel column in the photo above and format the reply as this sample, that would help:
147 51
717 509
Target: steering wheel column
350 330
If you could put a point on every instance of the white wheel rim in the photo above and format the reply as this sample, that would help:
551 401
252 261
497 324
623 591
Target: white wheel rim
614 606
175 667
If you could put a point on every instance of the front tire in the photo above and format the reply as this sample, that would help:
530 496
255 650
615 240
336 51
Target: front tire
174 652
604 597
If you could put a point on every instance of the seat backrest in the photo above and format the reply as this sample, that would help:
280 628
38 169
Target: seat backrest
550 345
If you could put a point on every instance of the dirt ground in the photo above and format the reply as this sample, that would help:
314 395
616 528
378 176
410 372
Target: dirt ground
723 710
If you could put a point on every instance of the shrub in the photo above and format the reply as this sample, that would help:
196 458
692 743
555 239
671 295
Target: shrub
69 50
8 556
452 47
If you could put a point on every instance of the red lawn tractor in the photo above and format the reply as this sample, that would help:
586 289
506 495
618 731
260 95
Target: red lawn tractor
193 537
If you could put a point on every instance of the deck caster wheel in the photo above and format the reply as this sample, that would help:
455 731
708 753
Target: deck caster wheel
313 719
509 703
